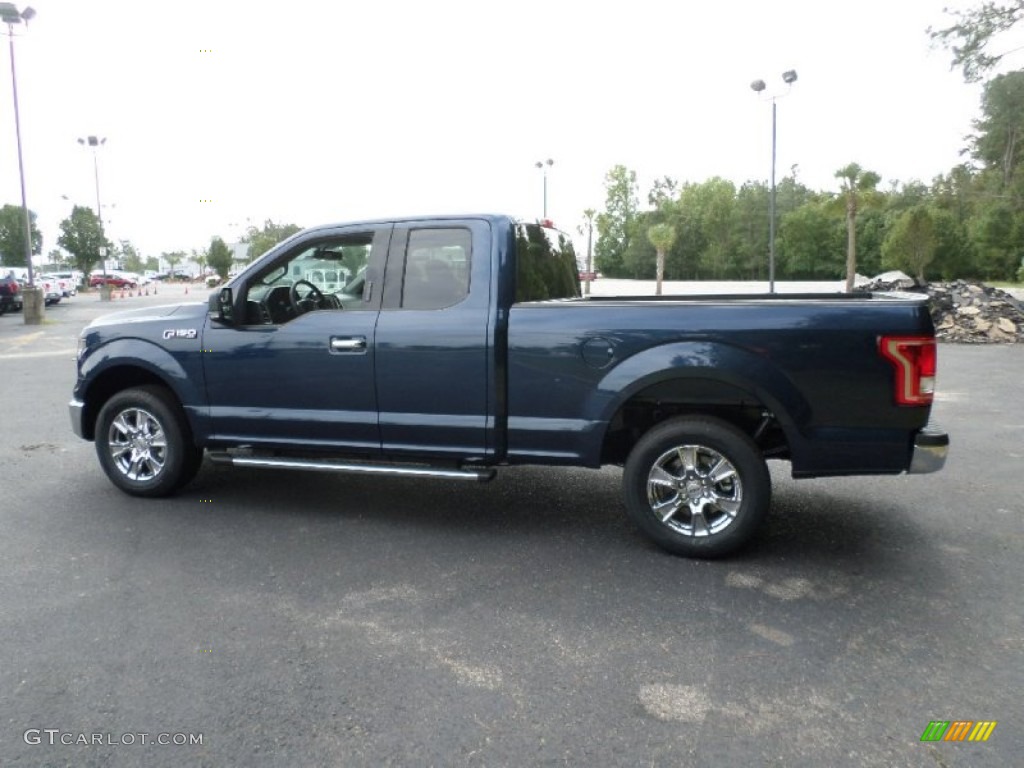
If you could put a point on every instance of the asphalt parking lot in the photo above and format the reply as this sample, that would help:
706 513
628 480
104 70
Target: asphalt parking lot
304 619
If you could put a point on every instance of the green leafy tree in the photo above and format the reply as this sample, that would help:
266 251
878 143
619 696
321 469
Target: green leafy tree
663 191
173 259
82 237
12 236
640 260
662 236
999 143
968 38
262 240
857 191
198 256
616 224
811 243
715 201
998 235
129 257
152 263
911 242
219 257
751 229
872 227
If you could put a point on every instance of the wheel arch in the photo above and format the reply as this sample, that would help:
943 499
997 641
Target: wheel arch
706 377
123 365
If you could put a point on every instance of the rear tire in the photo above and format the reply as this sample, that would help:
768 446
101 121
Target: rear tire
698 486
144 443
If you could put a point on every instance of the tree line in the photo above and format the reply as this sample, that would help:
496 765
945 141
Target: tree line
81 242
966 223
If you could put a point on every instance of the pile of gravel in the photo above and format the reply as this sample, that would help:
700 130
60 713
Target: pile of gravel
963 311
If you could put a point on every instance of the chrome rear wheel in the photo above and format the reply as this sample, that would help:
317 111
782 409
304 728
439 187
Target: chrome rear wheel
697 485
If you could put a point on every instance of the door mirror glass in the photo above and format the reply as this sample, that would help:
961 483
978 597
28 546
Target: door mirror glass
224 305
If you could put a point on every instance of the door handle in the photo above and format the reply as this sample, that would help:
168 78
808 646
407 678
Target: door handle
350 344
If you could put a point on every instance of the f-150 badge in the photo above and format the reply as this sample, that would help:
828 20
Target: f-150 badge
180 333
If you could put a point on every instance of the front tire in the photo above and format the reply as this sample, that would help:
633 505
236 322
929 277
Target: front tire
698 486
144 443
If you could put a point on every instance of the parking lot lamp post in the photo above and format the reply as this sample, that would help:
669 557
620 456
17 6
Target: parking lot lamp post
544 165
32 300
95 143
758 86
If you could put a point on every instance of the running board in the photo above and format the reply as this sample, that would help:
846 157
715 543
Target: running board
482 474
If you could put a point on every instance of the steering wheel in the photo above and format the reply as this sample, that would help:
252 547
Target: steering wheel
311 300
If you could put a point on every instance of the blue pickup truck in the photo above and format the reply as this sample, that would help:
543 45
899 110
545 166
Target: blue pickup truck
450 346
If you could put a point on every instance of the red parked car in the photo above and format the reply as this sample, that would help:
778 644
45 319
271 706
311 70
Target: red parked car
112 278
10 293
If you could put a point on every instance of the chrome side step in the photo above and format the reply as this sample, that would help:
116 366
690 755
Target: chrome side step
482 474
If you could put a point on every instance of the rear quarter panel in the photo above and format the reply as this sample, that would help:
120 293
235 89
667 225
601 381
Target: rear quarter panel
813 362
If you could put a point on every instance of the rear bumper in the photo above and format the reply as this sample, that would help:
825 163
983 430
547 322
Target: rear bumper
930 449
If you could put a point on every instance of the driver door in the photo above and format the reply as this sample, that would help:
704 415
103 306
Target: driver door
295 368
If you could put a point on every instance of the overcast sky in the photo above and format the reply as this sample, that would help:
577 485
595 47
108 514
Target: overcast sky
312 112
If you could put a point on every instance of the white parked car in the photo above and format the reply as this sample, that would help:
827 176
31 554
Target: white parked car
51 289
70 282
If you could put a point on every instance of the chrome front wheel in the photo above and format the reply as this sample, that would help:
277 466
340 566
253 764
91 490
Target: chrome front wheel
137 444
144 443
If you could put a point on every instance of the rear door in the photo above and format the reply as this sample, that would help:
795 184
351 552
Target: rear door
433 342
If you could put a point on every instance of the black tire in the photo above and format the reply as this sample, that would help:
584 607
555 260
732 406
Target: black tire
150 451
672 494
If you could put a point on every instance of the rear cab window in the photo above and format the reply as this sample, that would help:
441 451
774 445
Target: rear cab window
545 264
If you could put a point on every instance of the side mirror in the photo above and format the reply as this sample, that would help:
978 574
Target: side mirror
223 304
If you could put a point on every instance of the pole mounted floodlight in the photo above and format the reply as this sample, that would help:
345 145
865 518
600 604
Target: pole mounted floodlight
10 14
758 86
95 142
544 165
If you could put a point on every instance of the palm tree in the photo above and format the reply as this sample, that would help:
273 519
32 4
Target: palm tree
661 236
588 215
858 190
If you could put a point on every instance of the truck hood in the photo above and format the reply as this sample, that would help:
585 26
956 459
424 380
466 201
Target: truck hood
156 324
192 311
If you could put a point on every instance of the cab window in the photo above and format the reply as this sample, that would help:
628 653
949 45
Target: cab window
328 275
436 268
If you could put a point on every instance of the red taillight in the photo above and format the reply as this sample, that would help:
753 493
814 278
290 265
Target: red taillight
914 359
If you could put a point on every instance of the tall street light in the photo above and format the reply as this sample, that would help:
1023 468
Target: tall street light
758 86
544 165
33 304
95 143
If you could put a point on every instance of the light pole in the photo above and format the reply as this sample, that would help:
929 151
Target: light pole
758 86
95 143
544 165
33 300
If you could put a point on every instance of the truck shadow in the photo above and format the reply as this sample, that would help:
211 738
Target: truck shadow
811 522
